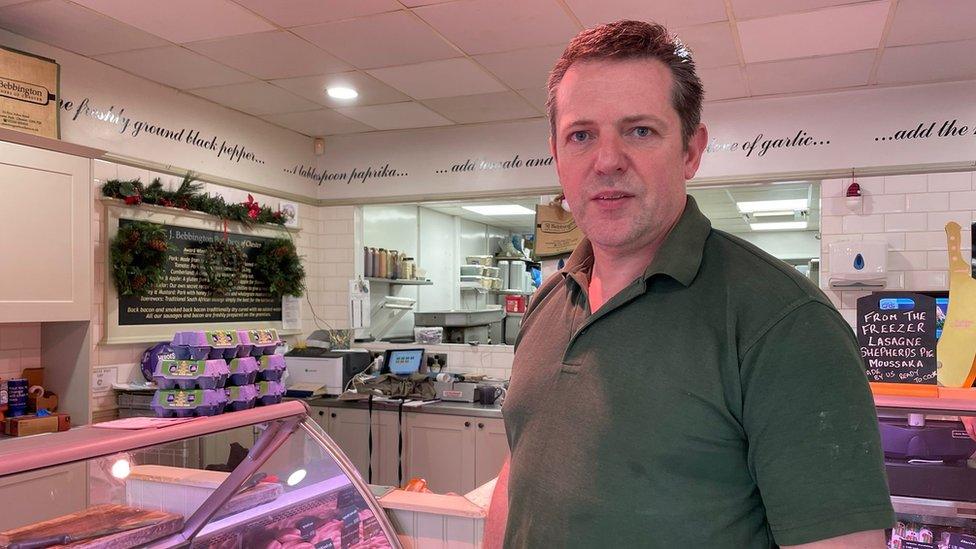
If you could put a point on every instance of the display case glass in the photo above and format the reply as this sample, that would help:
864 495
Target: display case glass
262 478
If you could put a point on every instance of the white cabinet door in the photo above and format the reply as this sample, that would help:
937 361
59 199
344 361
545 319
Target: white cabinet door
441 450
46 257
41 495
320 414
350 430
386 448
491 449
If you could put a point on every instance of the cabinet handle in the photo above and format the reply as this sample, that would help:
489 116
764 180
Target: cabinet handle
467 424
321 413
333 414
481 425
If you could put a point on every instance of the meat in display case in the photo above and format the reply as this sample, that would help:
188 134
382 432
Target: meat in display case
267 477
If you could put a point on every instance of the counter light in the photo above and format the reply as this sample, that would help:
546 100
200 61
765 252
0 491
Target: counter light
772 205
500 209
779 226
341 92
121 469
296 477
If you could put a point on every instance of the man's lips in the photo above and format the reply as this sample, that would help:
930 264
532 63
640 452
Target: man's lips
610 196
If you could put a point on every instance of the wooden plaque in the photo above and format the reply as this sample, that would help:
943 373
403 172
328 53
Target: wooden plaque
29 90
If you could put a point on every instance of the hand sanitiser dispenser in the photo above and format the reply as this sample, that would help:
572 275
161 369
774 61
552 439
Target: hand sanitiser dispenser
858 265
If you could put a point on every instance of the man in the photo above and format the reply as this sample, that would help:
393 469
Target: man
674 386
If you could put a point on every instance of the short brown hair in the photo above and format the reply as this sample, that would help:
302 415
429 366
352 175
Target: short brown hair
624 40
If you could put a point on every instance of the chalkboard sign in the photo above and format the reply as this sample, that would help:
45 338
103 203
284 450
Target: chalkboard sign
181 297
896 333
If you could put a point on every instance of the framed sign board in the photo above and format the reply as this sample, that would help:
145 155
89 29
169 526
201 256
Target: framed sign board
180 302
29 91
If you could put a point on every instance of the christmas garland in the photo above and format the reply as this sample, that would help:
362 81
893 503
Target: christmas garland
138 253
278 264
189 197
221 265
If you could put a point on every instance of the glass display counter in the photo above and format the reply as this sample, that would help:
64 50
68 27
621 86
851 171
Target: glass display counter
268 477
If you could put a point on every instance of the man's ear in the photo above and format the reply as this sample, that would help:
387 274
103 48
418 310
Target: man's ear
693 154
552 146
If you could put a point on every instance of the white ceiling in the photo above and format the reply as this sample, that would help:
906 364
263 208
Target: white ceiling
420 63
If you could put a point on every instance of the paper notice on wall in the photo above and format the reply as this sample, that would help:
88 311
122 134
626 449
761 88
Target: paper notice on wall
358 304
291 313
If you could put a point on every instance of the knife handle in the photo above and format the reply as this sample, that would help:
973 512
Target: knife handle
40 543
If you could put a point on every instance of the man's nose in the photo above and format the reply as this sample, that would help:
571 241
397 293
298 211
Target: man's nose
610 156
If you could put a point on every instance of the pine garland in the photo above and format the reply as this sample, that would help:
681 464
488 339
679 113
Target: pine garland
189 197
138 253
279 265
221 266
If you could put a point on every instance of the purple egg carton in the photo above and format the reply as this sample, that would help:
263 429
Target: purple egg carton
269 392
240 398
223 343
243 371
190 346
264 342
271 367
190 374
189 403
244 345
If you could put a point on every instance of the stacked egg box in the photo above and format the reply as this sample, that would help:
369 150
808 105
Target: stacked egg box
218 371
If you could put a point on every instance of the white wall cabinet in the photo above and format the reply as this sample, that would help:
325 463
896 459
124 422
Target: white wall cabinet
46 259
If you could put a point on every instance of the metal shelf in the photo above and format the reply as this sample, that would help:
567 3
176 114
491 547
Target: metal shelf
511 292
400 282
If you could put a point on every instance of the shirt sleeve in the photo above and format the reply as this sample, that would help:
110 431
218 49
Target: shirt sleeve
814 447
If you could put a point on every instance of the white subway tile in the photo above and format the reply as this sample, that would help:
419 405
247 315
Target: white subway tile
832 224
906 222
828 239
926 280
938 220
849 299
895 281
127 173
962 200
834 187
850 315
930 240
943 182
870 186
864 223
894 203
104 171
938 260
907 261
897 184
928 202
840 206
20 336
896 241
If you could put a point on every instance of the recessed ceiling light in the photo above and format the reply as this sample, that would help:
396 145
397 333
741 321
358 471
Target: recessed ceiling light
779 226
772 205
342 92
500 209
774 213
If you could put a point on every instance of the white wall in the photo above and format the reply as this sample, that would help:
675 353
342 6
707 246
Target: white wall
439 257
910 213
473 239
393 228
787 244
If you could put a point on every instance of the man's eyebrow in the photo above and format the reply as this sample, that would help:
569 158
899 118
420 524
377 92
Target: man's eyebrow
625 120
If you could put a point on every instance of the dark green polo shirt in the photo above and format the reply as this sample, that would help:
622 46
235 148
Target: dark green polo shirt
717 401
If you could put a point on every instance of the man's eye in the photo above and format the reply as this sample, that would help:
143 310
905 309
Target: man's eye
642 131
579 136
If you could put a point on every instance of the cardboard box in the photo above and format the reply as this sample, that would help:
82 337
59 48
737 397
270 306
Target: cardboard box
22 426
29 93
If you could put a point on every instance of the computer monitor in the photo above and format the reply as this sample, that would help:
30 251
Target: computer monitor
403 362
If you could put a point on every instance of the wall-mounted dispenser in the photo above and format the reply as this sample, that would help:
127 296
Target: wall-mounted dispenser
858 265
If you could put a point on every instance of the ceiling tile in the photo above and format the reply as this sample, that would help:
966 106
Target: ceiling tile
445 78
930 62
487 107
268 55
182 20
371 91
318 123
723 83
669 14
176 67
526 68
486 26
256 98
811 74
74 28
536 97
711 45
11 2
417 3
383 40
292 13
395 116
751 9
823 32
920 22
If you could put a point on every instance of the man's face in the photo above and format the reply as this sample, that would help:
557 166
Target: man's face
619 152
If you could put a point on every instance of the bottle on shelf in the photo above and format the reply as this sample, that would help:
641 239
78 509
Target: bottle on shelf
368 261
383 258
375 271
391 268
409 269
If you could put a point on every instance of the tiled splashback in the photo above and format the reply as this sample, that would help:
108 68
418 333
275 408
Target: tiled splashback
909 212
491 360
20 347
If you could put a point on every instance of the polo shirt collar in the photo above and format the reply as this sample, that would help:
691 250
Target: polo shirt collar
679 257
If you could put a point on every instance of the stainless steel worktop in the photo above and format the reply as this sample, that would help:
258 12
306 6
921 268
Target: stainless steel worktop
472 409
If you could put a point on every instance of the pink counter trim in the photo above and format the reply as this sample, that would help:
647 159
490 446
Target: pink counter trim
25 454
